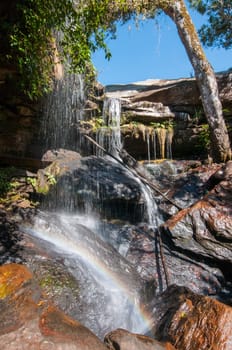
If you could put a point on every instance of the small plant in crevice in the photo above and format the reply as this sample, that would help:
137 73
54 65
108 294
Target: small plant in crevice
204 138
32 181
167 124
5 180
198 114
50 179
95 123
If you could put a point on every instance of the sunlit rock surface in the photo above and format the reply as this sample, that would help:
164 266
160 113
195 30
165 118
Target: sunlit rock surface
205 228
179 94
190 321
28 321
121 339
142 248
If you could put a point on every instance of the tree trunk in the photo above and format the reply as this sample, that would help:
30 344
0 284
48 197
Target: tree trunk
207 83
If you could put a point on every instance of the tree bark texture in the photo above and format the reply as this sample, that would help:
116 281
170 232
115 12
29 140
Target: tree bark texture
207 83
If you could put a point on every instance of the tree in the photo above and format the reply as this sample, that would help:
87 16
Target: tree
205 77
218 31
207 83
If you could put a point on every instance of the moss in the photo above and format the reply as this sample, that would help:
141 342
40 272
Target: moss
54 281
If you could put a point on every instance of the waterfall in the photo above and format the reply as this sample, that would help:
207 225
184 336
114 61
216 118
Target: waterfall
63 108
110 285
162 143
62 112
169 139
109 136
151 206
147 134
154 144
103 274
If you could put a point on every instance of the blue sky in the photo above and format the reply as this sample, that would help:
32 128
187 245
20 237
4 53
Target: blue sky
152 51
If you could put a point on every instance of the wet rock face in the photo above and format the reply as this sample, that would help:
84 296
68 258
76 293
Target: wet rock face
97 182
141 246
205 229
186 321
192 321
9 239
121 339
29 321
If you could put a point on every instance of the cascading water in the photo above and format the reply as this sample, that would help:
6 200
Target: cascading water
110 290
112 143
162 143
110 287
109 136
63 108
62 112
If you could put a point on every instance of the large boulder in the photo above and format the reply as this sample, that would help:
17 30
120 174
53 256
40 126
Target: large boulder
28 321
205 228
191 321
95 182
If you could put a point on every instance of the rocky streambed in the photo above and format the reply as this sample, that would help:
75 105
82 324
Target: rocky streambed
184 268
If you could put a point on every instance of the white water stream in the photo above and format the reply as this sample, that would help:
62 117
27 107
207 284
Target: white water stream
109 136
110 288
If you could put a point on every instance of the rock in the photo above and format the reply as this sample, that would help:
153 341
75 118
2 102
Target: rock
60 154
146 112
29 322
141 247
179 94
205 228
121 339
177 103
97 182
63 330
191 321
224 173
13 276
9 239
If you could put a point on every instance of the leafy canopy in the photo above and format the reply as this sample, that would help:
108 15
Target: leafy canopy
73 29
218 31
33 38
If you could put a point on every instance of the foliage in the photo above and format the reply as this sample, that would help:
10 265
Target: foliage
41 29
218 32
69 30
50 179
43 183
32 181
204 137
96 123
74 29
166 124
5 180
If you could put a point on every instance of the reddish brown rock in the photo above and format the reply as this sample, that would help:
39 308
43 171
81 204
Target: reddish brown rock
30 322
60 327
193 322
121 339
202 324
12 277
205 228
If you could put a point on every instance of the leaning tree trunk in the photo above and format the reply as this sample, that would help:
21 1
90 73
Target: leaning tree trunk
207 83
